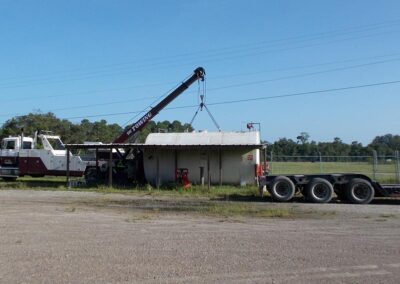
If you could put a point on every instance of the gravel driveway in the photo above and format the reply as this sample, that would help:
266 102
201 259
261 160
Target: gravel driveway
81 237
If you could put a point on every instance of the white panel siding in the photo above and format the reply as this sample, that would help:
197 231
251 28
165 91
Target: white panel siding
236 168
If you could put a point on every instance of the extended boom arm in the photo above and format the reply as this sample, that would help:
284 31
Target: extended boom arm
199 74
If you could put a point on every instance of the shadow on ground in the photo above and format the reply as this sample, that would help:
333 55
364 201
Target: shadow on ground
298 199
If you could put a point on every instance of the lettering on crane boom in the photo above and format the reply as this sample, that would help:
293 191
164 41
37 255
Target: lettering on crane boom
138 124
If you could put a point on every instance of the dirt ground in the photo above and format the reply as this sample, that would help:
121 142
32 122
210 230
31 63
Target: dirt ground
81 237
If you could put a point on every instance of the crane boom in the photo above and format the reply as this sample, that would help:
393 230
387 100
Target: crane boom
199 74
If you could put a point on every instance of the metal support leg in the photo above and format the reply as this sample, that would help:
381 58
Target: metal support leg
208 171
110 168
67 173
220 166
158 169
97 162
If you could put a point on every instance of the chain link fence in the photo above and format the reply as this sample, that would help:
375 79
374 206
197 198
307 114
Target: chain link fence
385 169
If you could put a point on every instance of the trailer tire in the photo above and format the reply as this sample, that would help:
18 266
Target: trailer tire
282 189
359 191
319 190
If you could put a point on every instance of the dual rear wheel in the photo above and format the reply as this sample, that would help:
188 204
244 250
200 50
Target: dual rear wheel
320 190
359 191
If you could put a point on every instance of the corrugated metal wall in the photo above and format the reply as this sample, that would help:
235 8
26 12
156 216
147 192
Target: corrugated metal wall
238 165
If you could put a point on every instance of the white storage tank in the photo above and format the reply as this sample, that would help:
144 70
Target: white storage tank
224 157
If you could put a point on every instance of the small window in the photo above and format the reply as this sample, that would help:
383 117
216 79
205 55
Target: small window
27 145
10 145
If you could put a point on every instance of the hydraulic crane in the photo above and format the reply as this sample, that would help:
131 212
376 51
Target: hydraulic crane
129 162
199 74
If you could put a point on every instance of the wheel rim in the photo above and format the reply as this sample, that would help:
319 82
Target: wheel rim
282 189
321 191
361 191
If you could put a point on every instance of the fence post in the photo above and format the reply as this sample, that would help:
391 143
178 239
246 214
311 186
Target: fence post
320 163
271 160
397 156
375 164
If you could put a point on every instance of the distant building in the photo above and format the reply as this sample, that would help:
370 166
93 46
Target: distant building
221 157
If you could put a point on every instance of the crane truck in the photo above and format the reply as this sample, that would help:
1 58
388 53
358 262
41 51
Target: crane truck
39 156
20 155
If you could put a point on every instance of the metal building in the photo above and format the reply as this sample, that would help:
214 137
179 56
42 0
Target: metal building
208 157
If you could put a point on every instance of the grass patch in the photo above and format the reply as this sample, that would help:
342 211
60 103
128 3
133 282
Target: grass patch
387 216
224 201
139 217
248 210
58 184
70 209
213 209
44 183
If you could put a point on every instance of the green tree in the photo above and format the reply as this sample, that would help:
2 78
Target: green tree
386 144
69 132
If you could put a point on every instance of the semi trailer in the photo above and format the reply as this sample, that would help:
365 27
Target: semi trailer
320 188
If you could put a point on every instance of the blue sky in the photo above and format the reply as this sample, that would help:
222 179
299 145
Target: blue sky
97 58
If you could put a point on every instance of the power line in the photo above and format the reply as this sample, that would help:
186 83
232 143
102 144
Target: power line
268 80
302 75
306 66
257 98
354 29
219 56
149 106
214 77
228 86
307 93
86 92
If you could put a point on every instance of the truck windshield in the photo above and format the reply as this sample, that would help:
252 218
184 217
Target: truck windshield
56 144
9 145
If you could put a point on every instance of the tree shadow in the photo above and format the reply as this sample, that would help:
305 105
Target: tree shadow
298 199
254 198
44 184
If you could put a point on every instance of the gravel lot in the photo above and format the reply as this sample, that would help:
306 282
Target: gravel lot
81 237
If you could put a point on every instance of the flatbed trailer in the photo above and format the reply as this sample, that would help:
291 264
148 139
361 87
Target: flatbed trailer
320 188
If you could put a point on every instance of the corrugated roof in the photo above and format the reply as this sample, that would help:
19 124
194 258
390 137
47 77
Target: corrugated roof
204 138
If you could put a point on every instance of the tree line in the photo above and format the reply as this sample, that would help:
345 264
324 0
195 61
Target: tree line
101 131
385 145
98 131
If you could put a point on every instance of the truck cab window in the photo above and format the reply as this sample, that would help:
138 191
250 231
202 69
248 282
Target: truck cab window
27 145
56 144
10 145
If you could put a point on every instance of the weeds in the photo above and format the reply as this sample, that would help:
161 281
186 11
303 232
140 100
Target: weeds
238 209
387 216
